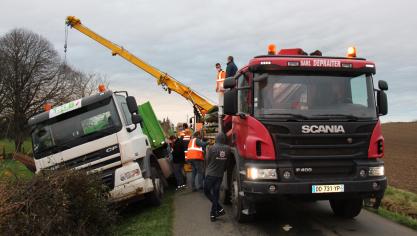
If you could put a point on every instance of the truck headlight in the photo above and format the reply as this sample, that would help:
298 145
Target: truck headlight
376 171
255 173
129 174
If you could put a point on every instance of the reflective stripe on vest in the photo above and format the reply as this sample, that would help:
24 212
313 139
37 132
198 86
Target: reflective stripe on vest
194 151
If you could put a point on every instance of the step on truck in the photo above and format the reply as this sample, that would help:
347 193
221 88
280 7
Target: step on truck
305 126
100 134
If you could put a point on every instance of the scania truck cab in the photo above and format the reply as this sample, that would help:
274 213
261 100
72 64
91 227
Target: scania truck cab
99 134
304 125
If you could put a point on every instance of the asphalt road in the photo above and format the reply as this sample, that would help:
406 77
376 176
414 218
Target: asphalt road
279 218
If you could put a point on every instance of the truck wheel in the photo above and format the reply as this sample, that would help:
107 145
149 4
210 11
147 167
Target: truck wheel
346 208
155 197
236 199
225 195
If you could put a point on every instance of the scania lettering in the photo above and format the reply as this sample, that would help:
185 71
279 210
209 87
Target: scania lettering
322 129
99 134
305 126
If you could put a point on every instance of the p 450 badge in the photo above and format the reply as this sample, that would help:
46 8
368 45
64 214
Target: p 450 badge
303 170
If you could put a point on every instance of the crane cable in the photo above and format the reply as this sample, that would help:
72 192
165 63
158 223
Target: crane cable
65 44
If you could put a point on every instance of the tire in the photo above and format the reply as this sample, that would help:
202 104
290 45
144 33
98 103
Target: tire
225 196
155 197
237 200
346 208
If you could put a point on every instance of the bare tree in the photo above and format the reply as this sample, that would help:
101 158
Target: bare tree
80 84
31 76
2 88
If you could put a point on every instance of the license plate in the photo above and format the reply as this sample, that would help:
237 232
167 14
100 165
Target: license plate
333 188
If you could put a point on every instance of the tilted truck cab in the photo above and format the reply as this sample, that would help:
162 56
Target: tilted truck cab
305 126
99 134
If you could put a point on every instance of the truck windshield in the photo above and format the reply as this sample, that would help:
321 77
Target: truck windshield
315 97
74 128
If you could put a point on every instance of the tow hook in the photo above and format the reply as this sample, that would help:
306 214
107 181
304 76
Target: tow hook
373 202
249 208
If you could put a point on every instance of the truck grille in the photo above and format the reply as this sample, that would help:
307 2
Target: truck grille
97 160
290 143
322 169
107 176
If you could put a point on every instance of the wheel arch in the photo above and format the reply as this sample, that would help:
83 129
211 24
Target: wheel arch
150 161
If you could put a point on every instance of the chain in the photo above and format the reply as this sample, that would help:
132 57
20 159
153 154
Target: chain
65 44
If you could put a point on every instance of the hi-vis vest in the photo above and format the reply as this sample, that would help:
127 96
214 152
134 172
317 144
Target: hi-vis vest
221 75
186 134
194 152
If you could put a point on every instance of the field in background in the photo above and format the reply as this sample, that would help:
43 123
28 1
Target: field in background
401 154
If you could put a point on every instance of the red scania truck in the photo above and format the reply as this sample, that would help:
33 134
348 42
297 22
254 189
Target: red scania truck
305 125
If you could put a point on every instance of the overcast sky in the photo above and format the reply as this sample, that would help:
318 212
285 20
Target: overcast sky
185 38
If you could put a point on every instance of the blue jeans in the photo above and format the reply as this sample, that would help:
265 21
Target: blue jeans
212 190
197 171
178 167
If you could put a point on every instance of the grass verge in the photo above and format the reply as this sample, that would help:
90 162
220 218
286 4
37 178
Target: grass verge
399 206
141 219
14 169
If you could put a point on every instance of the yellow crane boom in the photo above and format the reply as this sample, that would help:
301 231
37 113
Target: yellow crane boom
201 104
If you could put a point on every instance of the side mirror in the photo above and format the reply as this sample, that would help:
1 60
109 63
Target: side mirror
382 102
260 78
229 83
136 119
230 102
131 104
383 85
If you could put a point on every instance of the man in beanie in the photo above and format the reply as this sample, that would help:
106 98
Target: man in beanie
216 158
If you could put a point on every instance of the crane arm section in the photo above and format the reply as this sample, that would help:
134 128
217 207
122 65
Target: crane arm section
202 104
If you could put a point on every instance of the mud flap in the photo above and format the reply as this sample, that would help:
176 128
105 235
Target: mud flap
249 208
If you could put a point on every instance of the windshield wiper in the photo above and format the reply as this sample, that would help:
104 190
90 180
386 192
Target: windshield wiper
329 116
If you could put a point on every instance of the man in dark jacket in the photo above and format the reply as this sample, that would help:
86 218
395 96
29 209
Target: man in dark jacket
231 68
216 158
178 160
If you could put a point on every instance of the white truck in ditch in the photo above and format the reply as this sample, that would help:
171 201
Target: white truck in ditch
99 134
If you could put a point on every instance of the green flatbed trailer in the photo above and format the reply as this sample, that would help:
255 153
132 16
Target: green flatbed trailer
152 129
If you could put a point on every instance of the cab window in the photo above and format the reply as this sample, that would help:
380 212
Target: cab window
244 93
125 110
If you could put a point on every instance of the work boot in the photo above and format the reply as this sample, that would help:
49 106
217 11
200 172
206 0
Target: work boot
221 212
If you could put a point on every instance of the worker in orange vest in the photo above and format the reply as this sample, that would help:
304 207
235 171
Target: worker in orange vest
185 134
221 75
195 155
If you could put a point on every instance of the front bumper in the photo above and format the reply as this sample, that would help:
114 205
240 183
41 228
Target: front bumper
365 188
354 184
131 189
